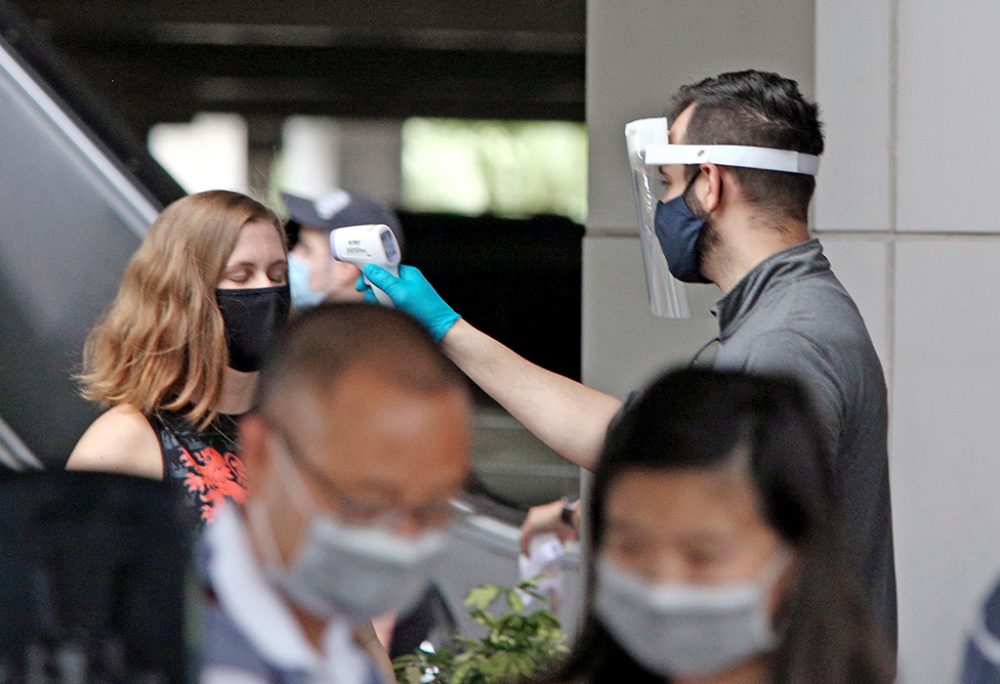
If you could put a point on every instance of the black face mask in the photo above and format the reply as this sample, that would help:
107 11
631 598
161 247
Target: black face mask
252 318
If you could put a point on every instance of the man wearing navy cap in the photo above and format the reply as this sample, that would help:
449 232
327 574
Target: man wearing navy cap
313 274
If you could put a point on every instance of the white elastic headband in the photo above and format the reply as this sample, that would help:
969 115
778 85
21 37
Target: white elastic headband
766 158
647 139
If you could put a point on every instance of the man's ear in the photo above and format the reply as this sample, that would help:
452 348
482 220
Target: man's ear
710 192
254 448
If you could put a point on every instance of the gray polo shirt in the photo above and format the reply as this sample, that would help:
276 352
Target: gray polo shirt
790 315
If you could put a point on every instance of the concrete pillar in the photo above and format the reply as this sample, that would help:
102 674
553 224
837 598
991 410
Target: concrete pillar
370 158
263 143
360 155
310 155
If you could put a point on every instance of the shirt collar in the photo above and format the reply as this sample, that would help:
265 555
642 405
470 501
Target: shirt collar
775 272
261 613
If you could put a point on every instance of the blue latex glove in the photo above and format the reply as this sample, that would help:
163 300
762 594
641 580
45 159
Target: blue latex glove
411 292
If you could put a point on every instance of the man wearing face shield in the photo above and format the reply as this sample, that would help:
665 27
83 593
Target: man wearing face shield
739 162
358 443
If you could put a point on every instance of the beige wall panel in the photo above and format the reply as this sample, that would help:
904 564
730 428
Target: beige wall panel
949 103
945 446
853 87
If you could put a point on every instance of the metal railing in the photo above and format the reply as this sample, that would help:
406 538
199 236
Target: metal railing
14 454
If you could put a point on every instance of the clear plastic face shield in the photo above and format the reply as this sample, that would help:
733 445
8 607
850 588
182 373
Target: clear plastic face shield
648 148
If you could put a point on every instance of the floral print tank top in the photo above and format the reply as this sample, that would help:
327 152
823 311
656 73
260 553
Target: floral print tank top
205 464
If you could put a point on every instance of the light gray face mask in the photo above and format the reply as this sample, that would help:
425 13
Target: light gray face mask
357 572
299 271
686 630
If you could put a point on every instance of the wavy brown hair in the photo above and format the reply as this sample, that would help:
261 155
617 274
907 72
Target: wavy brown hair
162 344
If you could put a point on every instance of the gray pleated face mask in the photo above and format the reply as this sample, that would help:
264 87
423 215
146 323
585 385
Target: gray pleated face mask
354 571
686 630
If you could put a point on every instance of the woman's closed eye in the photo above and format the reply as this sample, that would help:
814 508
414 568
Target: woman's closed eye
238 274
278 273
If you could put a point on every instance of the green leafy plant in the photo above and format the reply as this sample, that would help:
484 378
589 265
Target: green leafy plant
516 644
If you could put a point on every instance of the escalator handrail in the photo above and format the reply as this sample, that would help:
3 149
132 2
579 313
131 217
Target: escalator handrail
14 454
75 135
94 117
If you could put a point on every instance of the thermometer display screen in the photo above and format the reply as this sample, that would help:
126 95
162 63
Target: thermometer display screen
389 245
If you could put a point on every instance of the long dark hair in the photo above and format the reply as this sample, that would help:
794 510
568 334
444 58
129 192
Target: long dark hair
695 419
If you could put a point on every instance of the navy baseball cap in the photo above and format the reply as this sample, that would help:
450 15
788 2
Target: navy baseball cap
336 209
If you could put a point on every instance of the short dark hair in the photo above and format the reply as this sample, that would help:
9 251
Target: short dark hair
760 109
704 419
321 343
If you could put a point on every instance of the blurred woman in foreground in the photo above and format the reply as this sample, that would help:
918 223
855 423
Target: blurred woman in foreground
712 555
175 360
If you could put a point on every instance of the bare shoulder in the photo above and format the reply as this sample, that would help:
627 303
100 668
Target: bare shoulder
121 440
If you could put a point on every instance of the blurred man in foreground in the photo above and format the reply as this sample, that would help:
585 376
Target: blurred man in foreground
358 442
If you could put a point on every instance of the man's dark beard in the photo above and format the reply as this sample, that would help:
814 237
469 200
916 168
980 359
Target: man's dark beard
708 236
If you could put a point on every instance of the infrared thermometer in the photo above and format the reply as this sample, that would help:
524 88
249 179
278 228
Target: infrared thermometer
369 244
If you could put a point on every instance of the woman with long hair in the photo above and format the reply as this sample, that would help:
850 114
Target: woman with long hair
176 357
713 559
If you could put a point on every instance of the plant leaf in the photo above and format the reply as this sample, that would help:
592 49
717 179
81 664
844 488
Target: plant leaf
481 597
515 601
515 646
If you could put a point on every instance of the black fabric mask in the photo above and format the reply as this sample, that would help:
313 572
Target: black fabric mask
252 317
